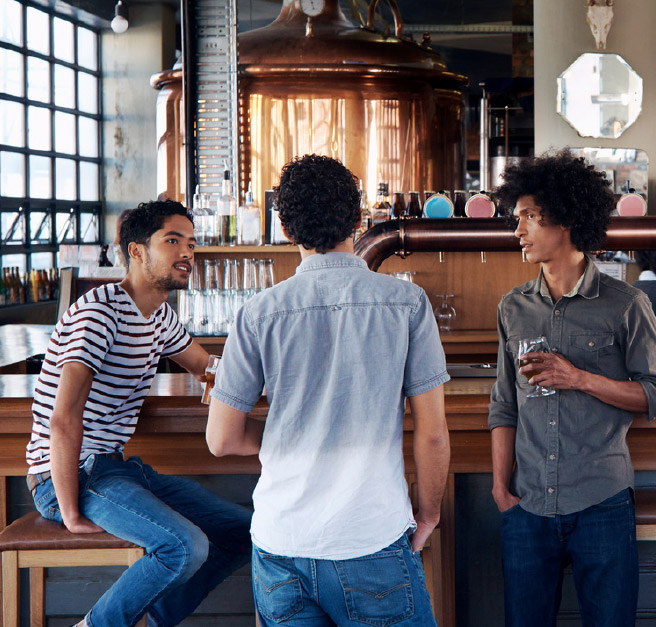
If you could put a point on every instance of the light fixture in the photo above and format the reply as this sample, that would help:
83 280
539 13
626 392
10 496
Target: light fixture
120 22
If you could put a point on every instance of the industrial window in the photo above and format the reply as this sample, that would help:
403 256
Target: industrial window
50 134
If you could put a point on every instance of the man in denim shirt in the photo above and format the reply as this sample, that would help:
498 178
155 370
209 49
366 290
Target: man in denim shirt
338 348
562 473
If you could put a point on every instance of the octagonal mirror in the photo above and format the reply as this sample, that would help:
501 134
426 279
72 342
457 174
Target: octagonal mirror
600 95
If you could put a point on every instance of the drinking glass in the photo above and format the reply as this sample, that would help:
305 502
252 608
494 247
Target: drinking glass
251 284
404 276
211 291
231 291
210 374
445 313
533 345
266 273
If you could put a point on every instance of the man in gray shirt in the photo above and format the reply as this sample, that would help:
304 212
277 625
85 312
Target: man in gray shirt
562 472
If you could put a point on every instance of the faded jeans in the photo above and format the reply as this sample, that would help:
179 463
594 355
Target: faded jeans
382 589
192 538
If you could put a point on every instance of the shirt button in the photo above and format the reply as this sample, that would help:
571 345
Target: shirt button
550 490
552 422
552 457
557 312
591 343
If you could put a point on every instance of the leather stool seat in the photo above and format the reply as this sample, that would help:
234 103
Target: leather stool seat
33 532
35 543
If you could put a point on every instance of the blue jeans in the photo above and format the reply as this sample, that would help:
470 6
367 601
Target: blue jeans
600 544
385 588
192 538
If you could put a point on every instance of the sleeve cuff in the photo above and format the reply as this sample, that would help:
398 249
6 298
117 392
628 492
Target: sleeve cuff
419 388
232 401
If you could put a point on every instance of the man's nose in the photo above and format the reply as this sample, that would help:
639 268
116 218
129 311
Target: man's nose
519 229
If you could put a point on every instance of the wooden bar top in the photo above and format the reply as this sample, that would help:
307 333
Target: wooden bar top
170 432
19 341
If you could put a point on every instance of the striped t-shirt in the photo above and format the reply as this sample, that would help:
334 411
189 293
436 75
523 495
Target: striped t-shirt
105 331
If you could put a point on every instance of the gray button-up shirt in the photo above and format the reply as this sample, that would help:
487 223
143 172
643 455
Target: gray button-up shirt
571 447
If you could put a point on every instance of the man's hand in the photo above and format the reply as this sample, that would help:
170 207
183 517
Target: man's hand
557 372
504 499
422 533
80 524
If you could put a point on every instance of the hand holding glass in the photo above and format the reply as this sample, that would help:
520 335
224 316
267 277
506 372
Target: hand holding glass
210 373
534 345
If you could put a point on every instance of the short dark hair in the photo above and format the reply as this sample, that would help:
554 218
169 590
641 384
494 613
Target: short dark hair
646 259
570 192
140 223
318 202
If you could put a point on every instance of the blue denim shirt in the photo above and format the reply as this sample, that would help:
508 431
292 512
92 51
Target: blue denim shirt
339 348
570 447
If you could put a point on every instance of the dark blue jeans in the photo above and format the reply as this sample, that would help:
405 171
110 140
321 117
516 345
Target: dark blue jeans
193 538
600 544
382 589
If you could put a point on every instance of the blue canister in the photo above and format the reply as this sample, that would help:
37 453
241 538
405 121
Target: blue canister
438 206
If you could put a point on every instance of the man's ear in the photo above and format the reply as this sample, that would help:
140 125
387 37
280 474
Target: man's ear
136 251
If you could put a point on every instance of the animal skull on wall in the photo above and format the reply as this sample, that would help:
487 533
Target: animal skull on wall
600 17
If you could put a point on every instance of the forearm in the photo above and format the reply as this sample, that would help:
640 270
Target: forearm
232 432
432 457
627 395
503 460
65 443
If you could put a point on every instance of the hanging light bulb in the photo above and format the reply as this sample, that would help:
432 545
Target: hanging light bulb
120 22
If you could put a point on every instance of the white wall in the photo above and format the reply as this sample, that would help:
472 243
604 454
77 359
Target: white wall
130 142
561 35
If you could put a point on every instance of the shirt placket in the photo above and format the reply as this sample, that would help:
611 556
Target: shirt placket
553 419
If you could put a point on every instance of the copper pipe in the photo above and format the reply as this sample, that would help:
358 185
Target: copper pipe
398 24
409 235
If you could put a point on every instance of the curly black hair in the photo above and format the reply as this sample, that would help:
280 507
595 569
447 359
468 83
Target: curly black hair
646 259
318 202
570 193
140 223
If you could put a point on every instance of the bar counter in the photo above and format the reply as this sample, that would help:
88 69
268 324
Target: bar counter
171 437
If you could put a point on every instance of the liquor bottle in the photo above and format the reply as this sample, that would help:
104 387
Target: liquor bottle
381 210
42 285
398 206
202 226
414 206
54 284
365 214
103 259
3 296
249 222
22 293
226 212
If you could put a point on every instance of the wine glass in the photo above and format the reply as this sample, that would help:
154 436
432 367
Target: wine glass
445 313
533 345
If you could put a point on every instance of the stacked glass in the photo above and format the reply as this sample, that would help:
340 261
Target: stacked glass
209 305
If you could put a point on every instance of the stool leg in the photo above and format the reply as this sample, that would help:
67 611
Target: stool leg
37 597
10 588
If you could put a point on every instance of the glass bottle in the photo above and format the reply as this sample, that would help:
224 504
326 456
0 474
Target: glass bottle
365 214
3 297
202 227
381 210
414 206
226 213
398 206
249 222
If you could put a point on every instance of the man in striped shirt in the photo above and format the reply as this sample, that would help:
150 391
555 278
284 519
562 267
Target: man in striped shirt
98 368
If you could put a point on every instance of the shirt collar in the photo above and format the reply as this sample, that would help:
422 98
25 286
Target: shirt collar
587 286
330 260
647 275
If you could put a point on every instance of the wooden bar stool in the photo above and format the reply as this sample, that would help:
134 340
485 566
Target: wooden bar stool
645 506
35 543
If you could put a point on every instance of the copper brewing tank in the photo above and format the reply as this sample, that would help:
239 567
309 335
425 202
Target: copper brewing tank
387 107
170 129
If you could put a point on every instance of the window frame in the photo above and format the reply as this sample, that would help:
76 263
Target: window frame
53 205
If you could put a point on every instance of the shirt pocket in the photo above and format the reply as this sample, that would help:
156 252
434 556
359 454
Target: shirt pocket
586 349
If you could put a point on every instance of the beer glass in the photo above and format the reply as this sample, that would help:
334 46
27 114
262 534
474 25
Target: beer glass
266 273
445 313
210 374
533 345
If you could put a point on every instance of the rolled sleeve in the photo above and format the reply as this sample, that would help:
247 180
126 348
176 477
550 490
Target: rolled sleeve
425 367
640 351
503 399
240 378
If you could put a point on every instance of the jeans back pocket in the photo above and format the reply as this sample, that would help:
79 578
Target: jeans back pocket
276 586
377 588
